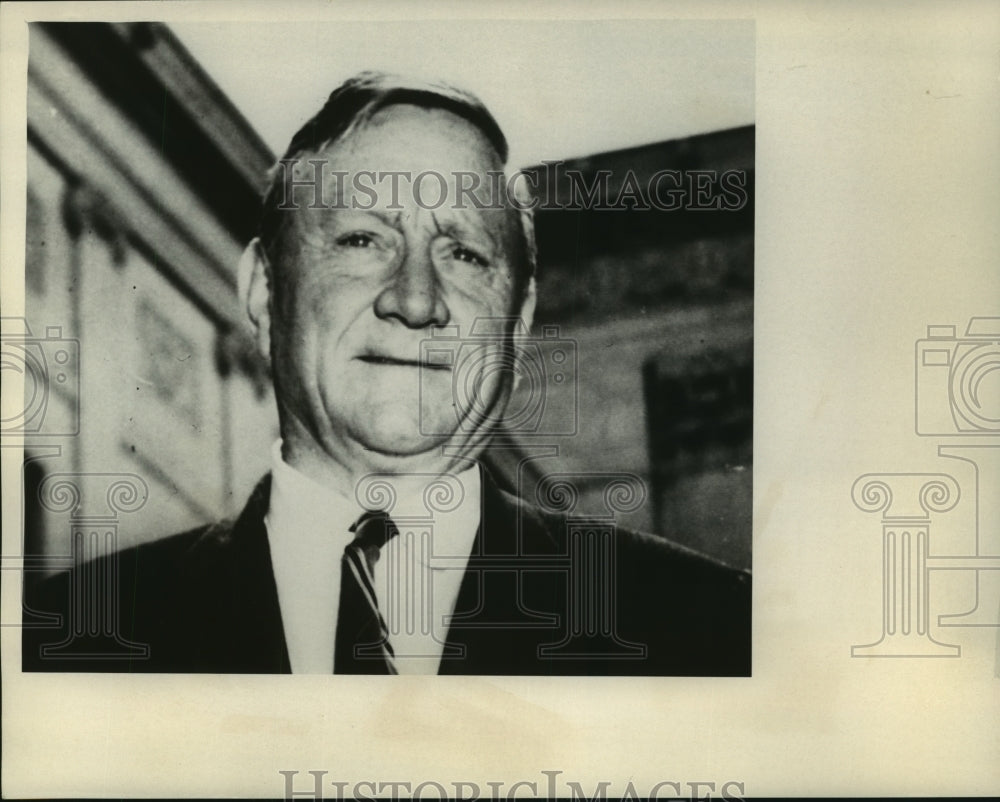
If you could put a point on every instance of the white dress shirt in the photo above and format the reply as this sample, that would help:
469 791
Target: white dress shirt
418 574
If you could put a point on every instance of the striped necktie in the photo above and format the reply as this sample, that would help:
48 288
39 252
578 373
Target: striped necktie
362 642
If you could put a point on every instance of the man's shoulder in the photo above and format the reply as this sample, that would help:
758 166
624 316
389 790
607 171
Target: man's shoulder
148 570
627 601
147 564
204 547
174 594
633 548
659 551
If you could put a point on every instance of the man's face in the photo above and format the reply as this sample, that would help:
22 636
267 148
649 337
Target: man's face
356 290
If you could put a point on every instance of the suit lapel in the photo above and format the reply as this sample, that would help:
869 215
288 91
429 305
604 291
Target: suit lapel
502 615
230 570
499 619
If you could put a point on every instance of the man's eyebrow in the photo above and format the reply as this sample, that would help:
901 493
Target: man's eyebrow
389 217
456 226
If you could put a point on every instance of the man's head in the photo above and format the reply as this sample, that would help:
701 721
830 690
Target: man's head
386 245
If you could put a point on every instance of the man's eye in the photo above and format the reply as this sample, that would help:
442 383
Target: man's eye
463 254
358 239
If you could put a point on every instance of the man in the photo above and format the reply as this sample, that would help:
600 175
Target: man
379 543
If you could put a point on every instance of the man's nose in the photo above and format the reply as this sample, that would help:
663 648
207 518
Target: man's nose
414 296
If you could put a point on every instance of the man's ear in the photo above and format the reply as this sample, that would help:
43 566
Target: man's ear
254 288
523 333
528 304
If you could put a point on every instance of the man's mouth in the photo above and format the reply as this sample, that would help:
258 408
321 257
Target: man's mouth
390 361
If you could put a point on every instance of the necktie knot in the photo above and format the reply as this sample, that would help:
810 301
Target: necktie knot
371 532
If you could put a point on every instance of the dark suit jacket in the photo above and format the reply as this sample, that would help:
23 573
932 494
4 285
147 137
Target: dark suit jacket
531 602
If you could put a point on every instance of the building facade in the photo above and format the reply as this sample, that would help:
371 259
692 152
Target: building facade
143 187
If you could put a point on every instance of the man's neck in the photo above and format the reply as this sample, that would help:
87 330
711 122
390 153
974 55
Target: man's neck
346 475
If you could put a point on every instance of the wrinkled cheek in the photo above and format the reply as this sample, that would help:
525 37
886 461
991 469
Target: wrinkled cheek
284 315
295 331
303 311
480 313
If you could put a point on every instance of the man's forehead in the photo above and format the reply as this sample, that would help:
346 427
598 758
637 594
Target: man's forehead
406 156
412 138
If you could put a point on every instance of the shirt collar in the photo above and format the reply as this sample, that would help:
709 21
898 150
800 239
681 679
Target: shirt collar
302 508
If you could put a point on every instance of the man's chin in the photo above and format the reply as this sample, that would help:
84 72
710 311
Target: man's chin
386 447
395 438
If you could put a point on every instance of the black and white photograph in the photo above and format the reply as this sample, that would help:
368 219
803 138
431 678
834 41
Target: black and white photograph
621 379
491 418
